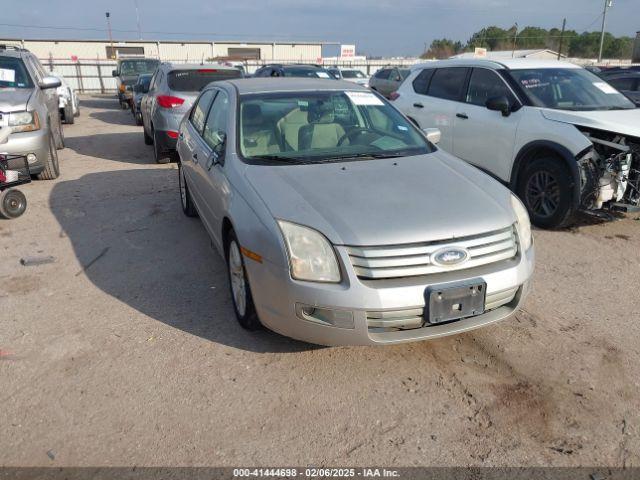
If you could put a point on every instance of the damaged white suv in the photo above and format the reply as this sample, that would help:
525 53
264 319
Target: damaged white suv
562 138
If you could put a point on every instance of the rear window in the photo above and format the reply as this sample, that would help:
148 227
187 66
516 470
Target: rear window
196 80
448 83
14 74
137 67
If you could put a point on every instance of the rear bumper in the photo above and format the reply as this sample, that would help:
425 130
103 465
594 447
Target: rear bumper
165 142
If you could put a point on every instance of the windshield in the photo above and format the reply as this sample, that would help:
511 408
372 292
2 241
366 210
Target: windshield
352 74
305 127
306 72
13 73
137 67
196 80
569 89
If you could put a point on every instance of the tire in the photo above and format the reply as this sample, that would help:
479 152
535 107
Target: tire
60 138
123 105
147 139
138 119
77 114
160 156
545 187
68 115
241 297
13 203
188 208
51 167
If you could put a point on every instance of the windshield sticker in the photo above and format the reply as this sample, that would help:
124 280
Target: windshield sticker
364 98
323 74
303 103
7 75
388 143
605 87
402 128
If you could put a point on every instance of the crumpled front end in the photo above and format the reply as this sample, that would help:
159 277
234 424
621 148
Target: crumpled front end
610 172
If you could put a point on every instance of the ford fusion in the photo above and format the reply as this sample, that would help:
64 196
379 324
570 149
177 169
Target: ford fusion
340 222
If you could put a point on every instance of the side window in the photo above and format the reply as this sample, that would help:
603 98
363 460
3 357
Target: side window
421 82
485 84
395 76
448 83
200 111
216 124
383 74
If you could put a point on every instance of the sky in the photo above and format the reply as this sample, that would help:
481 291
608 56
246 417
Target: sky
376 27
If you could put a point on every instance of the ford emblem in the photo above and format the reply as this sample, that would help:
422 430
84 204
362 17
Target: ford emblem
450 256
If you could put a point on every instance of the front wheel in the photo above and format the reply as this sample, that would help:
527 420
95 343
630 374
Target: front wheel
545 188
51 165
241 296
13 203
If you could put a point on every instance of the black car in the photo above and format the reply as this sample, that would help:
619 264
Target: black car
293 70
627 83
140 89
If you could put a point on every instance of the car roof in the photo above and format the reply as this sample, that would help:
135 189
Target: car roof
509 64
13 53
293 65
291 84
196 66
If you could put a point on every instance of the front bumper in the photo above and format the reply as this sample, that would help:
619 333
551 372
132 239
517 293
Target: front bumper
24 143
276 295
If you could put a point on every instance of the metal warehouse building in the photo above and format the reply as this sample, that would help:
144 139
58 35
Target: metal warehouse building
171 50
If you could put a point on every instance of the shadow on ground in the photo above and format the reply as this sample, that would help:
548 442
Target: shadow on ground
129 233
125 147
100 101
115 117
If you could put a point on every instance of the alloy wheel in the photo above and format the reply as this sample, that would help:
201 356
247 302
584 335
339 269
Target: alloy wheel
543 193
238 282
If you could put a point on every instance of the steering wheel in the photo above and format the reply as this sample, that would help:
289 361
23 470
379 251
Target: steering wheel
352 134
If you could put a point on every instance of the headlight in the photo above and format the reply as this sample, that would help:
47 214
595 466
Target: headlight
24 121
311 256
524 224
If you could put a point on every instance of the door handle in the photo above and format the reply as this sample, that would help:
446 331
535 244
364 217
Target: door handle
195 157
462 115
418 105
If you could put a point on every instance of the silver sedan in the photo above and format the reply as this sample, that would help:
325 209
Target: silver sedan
340 222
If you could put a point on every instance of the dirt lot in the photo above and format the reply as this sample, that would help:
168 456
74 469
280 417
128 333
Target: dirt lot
125 350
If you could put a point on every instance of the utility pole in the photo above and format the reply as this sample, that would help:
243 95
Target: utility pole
135 4
564 24
108 15
607 4
515 39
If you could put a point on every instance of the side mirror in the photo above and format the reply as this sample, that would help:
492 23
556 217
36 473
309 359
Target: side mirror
50 82
499 104
217 154
433 135
114 73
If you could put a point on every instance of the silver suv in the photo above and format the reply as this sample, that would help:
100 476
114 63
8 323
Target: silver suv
29 105
172 91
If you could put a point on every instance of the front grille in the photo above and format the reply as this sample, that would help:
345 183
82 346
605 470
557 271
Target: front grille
410 318
410 260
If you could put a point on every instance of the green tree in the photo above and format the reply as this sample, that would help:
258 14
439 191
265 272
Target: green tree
443 48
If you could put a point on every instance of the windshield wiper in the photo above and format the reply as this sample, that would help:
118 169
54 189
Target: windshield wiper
279 159
362 156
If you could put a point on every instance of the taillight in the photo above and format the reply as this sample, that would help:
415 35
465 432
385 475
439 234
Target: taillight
207 70
394 96
172 134
167 101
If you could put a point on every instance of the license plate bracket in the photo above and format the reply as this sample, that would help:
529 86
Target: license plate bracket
455 301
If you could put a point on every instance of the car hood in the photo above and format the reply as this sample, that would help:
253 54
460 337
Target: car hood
624 122
14 99
383 202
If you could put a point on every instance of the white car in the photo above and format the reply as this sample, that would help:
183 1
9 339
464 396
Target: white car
352 75
559 136
67 101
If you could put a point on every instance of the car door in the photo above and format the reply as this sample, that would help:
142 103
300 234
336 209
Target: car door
445 90
395 79
483 137
50 95
144 104
210 173
191 146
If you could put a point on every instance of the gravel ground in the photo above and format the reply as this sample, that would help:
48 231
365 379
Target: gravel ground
125 350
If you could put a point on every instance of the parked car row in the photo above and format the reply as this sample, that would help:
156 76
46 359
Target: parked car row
341 221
